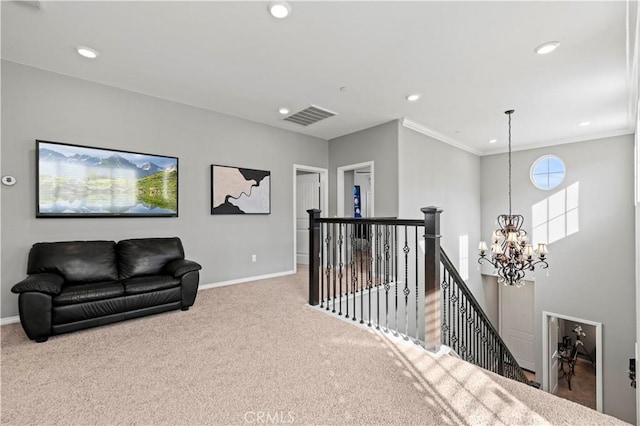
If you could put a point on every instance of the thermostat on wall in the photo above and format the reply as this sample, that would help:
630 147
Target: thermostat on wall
8 180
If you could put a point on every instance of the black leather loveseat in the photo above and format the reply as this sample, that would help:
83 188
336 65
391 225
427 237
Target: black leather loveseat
78 284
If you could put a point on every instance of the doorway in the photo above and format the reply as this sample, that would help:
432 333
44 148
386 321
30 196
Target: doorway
516 322
361 174
309 192
567 340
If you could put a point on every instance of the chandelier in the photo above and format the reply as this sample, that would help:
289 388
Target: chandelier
511 255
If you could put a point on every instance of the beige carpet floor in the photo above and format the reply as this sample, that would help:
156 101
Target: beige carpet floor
255 354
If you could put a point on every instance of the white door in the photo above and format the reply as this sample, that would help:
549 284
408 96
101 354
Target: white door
517 322
307 197
553 355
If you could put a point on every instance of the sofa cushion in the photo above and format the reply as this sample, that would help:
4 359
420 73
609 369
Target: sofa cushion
137 302
103 309
75 261
140 285
147 256
80 293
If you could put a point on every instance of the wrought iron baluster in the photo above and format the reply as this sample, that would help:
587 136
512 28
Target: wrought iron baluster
361 275
348 266
369 268
321 266
335 264
416 279
452 310
395 256
451 296
354 267
454 316
329 266
347 274
406 290
483 349
445 304
377 275
386 276
341 266
470 332
485 344
492 352
476 338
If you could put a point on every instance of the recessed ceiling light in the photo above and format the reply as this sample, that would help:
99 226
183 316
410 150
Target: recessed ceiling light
414 97
279 9
87 52
493 140
585 123
547 47
283 111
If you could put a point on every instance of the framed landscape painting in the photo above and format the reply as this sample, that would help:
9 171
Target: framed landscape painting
236 190
83 181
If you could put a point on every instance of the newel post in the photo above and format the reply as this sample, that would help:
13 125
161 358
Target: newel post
432 320
314 257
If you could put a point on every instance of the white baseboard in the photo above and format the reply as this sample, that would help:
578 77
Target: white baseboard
245 280
9 320
12 320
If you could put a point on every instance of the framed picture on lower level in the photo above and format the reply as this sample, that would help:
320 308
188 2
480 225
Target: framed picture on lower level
236 190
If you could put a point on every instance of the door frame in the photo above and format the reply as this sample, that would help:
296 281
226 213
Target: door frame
553 358
324 200
545 352
340 186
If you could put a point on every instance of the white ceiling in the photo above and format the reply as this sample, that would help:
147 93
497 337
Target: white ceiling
471 61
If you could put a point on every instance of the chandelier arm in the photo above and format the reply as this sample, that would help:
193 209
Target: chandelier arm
542 262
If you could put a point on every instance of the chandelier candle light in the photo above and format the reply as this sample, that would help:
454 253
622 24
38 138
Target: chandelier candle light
511 255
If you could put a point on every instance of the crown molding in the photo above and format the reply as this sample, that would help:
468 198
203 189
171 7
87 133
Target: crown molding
437 136
547 144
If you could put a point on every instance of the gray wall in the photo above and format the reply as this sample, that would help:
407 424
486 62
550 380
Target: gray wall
378 144
433 173
41 105
349 181
591 273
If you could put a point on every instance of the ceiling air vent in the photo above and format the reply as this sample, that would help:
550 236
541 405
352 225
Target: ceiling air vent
30 3
310 115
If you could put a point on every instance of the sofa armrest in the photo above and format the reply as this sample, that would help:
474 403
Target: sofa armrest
47 283
179 267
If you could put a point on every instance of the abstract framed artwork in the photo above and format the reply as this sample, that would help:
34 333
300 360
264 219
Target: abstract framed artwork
236 190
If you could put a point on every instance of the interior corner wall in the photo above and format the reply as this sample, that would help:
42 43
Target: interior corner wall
433 173
591 272
37 104
349 181
378 144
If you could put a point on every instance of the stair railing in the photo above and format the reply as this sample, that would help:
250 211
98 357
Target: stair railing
364 269
468 331
393 275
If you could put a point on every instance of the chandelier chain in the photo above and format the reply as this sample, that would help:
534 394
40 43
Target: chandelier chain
509 114
511 255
